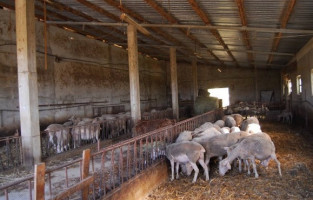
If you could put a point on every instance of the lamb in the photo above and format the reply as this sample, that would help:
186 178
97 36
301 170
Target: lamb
238 119
184 136
230 121
253 128
206 135
85 131
220 123
225 130
234 129
203 127
187 152
285 117
215 145
256 146
59 136
246 122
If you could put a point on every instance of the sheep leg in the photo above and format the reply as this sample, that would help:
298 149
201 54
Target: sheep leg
205 167
239 163
207 161
177 168
172 168
247 164
194 166
256 175
278 163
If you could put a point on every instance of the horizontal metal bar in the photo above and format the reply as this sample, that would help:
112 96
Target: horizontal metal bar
191 26
232 50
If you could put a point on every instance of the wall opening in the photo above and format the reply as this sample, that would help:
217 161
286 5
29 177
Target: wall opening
312 82
299 84
289 85
220 93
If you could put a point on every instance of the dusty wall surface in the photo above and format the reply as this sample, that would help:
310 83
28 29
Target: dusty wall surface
302 104
80 70
242 83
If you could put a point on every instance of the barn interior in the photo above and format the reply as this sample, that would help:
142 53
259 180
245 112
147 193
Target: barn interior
149 59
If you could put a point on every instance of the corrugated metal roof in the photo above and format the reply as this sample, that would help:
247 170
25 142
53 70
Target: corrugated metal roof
259 14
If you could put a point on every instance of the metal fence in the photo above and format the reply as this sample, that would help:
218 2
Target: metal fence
113 165
10 152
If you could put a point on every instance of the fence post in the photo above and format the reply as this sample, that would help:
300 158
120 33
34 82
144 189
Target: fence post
40 170
85 172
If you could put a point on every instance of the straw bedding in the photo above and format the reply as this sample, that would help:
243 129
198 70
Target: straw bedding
294 149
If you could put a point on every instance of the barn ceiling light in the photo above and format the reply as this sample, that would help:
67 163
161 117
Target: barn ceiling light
129 20
218 69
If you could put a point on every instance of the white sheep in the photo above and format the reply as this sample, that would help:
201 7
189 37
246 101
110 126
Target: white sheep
285 117
214 147
59 136
220 123
256 146
229 121
203 127
234 129
246 122
253 128
225 130
184 136
186 152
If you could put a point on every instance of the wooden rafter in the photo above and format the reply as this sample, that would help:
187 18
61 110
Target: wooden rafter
141 19
60 6
207 21
112 16
283 23
244 34
50 13
173 20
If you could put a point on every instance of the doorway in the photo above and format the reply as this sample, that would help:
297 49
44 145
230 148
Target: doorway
220 93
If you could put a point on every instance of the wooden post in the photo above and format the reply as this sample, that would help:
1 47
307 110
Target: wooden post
40 170
27 81
85 172
133 73
195 78
174 86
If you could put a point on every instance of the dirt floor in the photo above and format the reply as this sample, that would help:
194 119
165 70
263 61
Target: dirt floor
294 149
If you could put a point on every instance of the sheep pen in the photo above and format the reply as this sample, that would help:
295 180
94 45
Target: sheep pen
294 149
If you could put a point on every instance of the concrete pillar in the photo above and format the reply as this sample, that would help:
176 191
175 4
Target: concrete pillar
174 85
133 73
27 81
195 78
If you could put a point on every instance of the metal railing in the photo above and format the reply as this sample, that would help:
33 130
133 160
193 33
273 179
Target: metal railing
113 165
11 153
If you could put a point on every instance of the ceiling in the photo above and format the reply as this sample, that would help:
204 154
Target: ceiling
226 33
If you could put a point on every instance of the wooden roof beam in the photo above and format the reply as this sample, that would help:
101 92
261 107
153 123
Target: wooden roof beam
244 34
140 18
283 23
173 20
110 15
61 6
215 33
99 10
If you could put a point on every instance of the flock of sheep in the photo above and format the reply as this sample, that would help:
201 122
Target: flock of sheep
78 129
232 137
